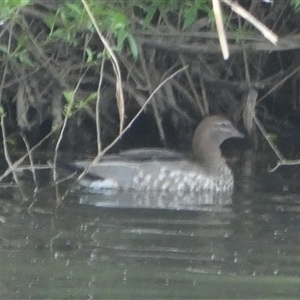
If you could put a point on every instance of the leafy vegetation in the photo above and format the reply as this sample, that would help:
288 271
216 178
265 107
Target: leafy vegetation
52 50
296 4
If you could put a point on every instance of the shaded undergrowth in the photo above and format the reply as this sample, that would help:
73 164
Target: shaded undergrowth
75 74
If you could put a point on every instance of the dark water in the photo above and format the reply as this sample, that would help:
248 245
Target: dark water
94 247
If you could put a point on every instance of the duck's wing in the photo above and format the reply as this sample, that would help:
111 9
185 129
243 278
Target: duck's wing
144 154
107 174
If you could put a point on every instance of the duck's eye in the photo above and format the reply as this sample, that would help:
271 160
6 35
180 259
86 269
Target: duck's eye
223 124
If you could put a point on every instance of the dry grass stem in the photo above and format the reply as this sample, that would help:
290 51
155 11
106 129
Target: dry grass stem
249 109
116 67
220 28
269 34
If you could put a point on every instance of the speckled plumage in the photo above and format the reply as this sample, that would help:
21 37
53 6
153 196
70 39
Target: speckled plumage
169 171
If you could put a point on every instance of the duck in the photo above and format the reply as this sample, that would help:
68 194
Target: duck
155 169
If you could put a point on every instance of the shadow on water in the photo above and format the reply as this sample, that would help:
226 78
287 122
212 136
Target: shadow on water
104 247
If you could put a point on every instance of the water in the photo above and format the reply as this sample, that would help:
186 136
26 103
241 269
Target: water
93 247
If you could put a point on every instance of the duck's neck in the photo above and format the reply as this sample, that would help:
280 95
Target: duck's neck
211 160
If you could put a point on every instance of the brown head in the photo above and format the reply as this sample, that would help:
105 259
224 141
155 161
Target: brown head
208 137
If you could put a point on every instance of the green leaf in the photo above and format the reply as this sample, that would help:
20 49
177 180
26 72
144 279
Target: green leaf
296 5
91 97
21 42
63 18
69 97
50 21
190 16
119 20
77 11
90 54
3 49
25 2
25 59
133 46
59 33
8 7
122 35
2 111
150 14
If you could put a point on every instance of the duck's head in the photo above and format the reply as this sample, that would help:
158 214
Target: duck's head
209 135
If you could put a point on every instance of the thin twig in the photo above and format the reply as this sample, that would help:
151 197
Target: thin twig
282 161
201 102
8 160
32 169
20 160
267 137
60 137
98 124
281 82
115 64
147 74
285 162
54 169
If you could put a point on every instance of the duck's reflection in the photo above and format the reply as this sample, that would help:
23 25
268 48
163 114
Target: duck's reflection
159 200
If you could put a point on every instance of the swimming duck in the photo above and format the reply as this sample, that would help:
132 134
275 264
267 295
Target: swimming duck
160 169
